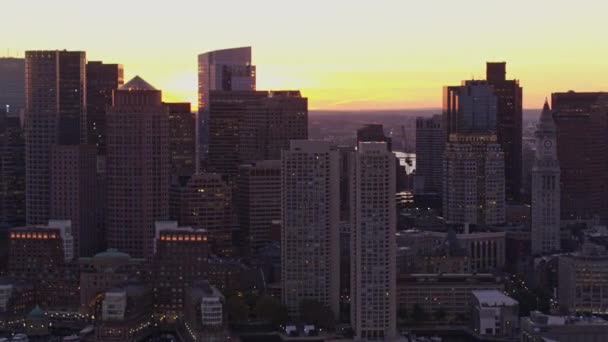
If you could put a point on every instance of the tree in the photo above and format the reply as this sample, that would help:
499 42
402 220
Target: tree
237 309
418 313
311 311
270 309
440 314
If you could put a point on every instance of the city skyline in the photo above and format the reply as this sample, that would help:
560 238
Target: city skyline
379 56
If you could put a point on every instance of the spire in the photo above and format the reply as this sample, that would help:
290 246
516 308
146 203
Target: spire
546 117
137 83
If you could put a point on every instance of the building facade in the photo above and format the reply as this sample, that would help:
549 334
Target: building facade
12 172
102 80
474 180
494 314
582 280
546 188
223 70
74 195
258 202
181 138
430 144
12 85
373 245
55 114
137 167
310 215
508 125
581 120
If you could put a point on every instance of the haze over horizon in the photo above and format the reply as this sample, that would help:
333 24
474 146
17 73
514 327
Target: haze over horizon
342 55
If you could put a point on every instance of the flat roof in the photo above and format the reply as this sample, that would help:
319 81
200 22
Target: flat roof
493 298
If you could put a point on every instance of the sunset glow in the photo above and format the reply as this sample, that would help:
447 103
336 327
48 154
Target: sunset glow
341 54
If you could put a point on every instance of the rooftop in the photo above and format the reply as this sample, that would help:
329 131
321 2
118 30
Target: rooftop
493 298
137 83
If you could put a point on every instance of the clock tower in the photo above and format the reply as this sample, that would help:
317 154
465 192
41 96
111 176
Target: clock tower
546 187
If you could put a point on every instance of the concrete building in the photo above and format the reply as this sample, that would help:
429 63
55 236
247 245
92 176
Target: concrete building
310 214
373 246
180 256
12 171
495 314
55 114
509 112
206 203
474 181
223 70
259 202
546 188
17 298
448 292
182 138
125 313
581 120
583 278
74 195
205 316
102 80
430 144
103 272
12 85
543 328
137 167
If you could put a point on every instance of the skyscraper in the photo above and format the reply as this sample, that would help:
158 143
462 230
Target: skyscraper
474 180
258 201
137 167
373 245
429 153
181 138
73 195
310 212
12 172
253 125
12 85
582 149
545 187
225 70
469 108
102 80
373 133
508 125
54 114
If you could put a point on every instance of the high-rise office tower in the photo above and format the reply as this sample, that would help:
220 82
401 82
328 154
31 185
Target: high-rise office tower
225 70
181 138
74 195
375 133
206 203
246 126
102 80
54 115
373 245
137 167
310 212
582 150
545 187
429 153
474 180
12 85
271 121
258 201
469 108
508 125
12 172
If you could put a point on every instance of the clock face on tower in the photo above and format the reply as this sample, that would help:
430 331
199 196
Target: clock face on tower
548 144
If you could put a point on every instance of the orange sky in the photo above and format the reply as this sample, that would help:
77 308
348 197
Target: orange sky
383 54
